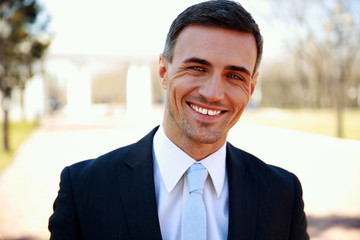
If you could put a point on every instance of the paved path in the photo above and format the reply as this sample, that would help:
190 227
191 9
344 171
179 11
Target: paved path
328 168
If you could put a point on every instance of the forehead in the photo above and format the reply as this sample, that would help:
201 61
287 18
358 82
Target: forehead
216 45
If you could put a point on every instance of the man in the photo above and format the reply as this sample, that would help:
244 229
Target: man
209 70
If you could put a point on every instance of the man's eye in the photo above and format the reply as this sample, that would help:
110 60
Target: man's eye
197 68
234 76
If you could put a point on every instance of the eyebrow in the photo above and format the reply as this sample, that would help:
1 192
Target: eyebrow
207 63
238 69
198 60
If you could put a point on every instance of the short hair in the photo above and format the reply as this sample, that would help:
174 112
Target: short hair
224 14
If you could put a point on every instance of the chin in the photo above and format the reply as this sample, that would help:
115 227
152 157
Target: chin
204 138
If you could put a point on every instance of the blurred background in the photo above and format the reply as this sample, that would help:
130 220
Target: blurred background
79 78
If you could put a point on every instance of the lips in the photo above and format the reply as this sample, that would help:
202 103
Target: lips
204 111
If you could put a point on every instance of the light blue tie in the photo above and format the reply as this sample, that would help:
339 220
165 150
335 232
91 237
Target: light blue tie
194 225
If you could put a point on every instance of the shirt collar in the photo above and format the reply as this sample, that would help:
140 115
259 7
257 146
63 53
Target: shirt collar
173 162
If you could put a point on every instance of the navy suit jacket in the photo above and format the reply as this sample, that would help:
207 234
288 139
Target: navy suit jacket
113 197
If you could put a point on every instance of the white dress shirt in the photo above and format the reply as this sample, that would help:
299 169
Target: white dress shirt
170 164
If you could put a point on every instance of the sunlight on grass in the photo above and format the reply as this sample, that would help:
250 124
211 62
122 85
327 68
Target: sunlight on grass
18 132
321 122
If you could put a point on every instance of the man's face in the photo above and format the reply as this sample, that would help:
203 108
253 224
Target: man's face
208 84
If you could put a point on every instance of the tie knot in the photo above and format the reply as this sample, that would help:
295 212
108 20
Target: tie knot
196 176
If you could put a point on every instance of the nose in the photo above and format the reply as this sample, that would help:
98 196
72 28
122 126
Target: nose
212 88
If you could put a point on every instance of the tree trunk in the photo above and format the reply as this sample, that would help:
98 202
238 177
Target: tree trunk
6 145
340 105
6 106
22 104
339 122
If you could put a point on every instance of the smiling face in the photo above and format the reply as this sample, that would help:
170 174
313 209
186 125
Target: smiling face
208 85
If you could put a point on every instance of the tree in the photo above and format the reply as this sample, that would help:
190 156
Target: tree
343 37
325 45
23 41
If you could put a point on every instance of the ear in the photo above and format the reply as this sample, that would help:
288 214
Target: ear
163 71
254 82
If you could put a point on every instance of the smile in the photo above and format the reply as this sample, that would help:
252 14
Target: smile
205 111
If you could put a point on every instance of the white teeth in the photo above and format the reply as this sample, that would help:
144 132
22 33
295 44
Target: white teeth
205 111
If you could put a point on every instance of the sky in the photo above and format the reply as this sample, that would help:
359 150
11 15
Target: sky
131 28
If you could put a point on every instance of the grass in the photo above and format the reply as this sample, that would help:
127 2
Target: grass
321 122
18 132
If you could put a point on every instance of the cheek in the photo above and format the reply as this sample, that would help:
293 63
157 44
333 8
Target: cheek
175 93
239 95
180 88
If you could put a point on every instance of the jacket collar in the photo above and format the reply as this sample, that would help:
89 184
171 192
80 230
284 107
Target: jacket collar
242 195
138 191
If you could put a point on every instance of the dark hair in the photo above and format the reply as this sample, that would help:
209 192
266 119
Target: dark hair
214 13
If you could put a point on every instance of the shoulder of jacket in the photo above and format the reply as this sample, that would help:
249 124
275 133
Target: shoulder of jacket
261 169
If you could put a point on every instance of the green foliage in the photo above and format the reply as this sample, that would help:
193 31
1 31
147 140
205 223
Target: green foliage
23 41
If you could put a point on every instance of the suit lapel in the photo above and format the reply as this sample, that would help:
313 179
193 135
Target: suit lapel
138 191
242 196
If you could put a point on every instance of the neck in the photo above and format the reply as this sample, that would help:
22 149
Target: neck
200 151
